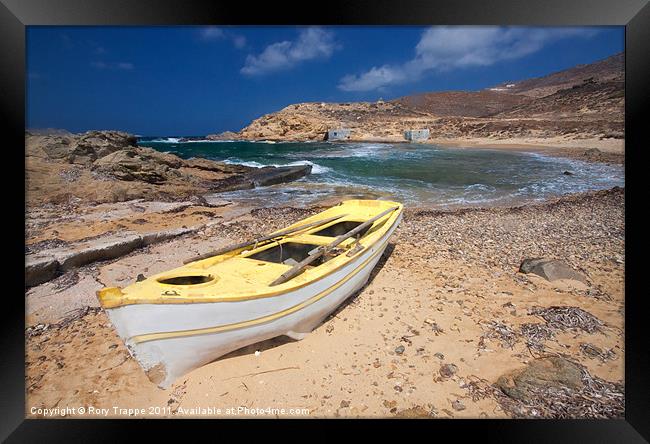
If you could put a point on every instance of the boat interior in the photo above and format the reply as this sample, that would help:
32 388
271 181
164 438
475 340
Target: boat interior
250 270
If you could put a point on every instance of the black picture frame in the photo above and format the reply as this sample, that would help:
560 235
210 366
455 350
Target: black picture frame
15 15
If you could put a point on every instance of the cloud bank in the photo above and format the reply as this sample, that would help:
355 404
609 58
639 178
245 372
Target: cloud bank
452 47
312 43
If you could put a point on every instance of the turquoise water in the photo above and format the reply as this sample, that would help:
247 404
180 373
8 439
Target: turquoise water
416 174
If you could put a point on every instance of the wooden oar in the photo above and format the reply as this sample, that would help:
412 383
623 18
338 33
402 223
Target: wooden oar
296 269
262 239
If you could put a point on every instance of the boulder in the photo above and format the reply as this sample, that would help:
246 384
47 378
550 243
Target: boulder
57 147
102 143
261 177
273 175
551 270
552 372
134 164
232 183
84 149
218 167
171 160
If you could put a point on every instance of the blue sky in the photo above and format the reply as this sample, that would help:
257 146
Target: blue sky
201 80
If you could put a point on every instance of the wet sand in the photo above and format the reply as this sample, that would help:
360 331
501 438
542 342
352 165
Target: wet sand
444 289
615 146
587 149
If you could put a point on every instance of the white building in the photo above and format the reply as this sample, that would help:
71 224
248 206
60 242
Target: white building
416 134
339 134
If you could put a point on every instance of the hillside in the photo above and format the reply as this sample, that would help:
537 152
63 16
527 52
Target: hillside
462 103
583 102
310 121
588 100
607 70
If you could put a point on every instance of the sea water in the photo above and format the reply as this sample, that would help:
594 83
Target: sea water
415 174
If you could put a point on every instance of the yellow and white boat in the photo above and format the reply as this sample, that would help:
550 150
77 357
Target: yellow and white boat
284 284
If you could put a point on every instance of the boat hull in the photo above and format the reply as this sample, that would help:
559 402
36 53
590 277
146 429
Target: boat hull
170 340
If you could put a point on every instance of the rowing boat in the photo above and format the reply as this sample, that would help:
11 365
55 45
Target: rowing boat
285 283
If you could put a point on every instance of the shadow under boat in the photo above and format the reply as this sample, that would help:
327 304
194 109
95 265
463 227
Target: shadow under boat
281 340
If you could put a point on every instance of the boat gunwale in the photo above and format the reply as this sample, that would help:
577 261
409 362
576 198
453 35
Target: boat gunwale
109 299
158 336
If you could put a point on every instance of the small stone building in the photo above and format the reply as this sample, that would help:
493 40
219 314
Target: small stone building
415 135
338 134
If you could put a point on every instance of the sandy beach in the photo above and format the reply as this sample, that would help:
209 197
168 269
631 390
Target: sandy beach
445 319
587 149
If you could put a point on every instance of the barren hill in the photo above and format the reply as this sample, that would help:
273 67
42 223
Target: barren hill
588 100
609 69
462 103
583 102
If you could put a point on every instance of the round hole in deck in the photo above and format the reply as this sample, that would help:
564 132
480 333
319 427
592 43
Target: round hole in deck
187 280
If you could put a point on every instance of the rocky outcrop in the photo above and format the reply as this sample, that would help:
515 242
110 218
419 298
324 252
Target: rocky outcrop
263 177
136 165
82 149
311 121
109 166
43 266
226 135
40 268
273 175
218 167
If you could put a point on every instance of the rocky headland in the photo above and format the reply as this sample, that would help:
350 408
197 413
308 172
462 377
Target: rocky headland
109 166
578 107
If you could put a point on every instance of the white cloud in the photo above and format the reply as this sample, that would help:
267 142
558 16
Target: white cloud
450 47
312 43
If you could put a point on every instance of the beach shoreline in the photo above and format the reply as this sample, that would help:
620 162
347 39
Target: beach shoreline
589 149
